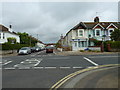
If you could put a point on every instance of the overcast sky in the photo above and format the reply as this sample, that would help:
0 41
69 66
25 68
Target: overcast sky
51 19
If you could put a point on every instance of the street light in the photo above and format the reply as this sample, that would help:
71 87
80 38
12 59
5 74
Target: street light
103 39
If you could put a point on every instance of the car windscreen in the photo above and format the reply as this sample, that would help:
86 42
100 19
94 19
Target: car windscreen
49 47
23 48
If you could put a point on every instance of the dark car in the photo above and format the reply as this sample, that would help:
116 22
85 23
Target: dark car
37 49
33 49
49 49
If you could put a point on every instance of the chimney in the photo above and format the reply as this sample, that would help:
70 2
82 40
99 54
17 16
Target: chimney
96 19
10 26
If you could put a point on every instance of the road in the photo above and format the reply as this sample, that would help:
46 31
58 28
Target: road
41 70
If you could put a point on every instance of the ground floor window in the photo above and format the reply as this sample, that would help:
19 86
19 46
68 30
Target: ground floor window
82 44
75 44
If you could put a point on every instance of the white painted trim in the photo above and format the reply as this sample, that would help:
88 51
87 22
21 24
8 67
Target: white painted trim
97 25
79 32
100 33
113 25
109 31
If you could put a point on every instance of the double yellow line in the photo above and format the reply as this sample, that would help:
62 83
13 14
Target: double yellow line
62 81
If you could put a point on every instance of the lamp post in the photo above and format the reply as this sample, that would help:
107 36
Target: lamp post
12 42
103 39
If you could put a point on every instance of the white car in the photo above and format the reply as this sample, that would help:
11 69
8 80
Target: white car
24 50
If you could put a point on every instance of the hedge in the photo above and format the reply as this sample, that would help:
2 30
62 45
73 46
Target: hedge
8 46
113 45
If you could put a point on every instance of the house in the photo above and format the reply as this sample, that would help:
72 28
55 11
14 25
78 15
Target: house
6 33
83 34
40 44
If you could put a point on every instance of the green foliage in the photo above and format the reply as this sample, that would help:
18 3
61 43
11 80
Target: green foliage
25 38
113 45
58 45
9 46
81 50
97 43
115 35
11 40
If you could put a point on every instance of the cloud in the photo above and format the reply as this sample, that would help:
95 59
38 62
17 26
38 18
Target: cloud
51 19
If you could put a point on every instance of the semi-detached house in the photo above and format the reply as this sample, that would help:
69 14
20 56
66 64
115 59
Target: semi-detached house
82 35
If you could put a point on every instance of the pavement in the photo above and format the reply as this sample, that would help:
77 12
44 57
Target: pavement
67 53
105 77
74 53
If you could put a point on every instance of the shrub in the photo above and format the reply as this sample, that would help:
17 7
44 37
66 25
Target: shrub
9 46
11 40
81 50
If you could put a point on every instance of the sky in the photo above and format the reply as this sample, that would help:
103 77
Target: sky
48 20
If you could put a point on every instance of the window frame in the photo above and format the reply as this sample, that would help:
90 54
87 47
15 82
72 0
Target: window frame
82 32
109 34
96 32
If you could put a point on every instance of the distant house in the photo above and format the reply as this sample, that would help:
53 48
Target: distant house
83 34
40 44
5 33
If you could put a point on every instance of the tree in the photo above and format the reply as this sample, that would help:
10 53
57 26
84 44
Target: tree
115 35
25 38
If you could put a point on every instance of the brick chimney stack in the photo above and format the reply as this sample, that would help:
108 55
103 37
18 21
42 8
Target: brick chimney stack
96 19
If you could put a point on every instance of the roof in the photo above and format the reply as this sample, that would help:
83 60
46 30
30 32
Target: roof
5 29
90 25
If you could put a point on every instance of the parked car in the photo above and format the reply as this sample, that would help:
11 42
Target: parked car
33 49
24 50
49 49
37 49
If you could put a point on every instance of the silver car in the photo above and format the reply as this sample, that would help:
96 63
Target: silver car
24 50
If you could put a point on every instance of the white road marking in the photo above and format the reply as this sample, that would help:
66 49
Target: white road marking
77 67
92 67
9 68
24 68
50 67
15 65
91 61
38 62
38 67
64 67
7 62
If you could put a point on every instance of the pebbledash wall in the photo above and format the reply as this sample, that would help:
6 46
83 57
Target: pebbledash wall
82 35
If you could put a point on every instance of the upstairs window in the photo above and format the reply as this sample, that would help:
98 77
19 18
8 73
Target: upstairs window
3 35
0 35
81 33
110 31
97 32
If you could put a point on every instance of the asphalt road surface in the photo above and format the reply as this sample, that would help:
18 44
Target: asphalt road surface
41 70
